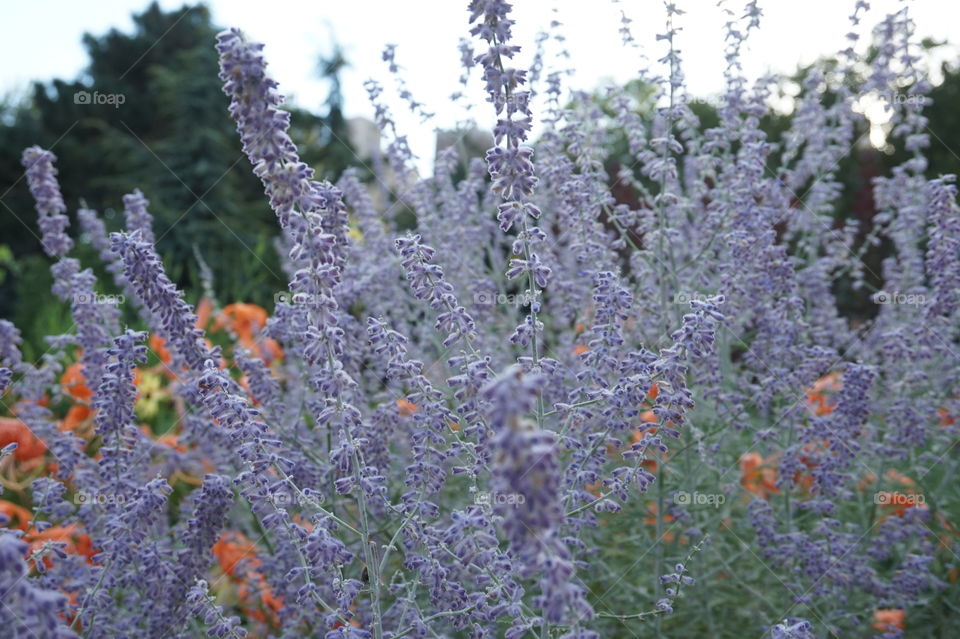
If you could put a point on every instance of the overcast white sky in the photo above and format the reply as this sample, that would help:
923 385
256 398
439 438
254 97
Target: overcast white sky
41 39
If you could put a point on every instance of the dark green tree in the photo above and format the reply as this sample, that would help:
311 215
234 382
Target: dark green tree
163 128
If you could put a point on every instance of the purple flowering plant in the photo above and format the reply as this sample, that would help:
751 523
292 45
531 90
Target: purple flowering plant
668 429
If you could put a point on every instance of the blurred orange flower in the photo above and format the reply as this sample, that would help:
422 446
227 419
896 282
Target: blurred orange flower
245 321
29 446
406 408
271 602
77 542
76 415
946 419
651 519
895 502
16 513
159 346
886 617
241 318
593 489
653 393
173 441
820 401
204 309
758 476
73 384
233 548
648 416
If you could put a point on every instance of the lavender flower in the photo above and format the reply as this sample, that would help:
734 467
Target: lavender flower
137 217
42 180
28 610
654 308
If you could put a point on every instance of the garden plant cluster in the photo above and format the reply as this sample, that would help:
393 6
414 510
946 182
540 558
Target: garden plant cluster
546 411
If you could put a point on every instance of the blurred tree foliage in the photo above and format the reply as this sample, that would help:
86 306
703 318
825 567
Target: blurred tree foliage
172 138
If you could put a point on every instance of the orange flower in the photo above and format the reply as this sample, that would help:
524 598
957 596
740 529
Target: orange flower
233 548
651 519
946 419
593 489
757 476
580 349
73 384
406 408
895 502
159 346
949 531
884 618
234 551
804 480
21 515
243 319
270 602
273 348
900 478
76 415
820 400
651 464
646 418
171 440
77 543
204 308
29 446
653 393
823 447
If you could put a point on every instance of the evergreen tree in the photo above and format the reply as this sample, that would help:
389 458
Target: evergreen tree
161 125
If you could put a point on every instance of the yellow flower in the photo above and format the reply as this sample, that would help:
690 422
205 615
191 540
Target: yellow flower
355 233
150 393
